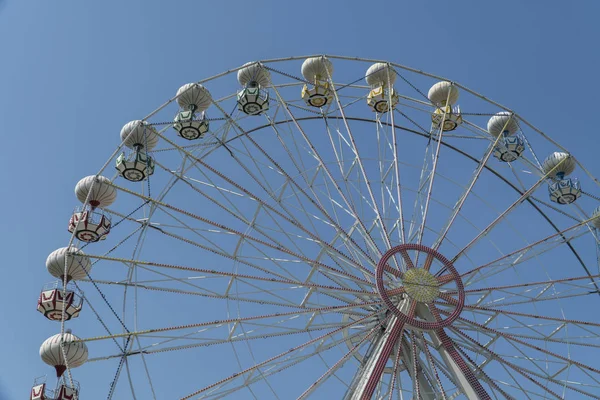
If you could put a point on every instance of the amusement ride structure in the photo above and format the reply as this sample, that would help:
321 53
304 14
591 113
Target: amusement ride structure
343 233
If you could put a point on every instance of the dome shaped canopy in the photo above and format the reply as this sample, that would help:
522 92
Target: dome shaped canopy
139 134
102 194
380 74
502 122
567 164
315 69
596 216
193 95
443 93
51 353
254 72
77 264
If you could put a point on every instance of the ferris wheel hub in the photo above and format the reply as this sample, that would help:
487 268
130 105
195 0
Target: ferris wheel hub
437 299
421 285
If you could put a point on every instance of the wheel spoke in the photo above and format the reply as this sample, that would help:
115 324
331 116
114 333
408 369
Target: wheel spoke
360 163
253 196
526 373
234 320
463 198
330 176
533 249
514 205
261 364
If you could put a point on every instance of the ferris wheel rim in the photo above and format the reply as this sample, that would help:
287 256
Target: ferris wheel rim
474 159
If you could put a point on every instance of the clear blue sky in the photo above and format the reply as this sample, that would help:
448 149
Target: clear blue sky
72 72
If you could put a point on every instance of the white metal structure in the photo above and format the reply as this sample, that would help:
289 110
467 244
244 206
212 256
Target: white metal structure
320 249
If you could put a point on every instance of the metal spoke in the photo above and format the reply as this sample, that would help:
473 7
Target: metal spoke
527 252
360 163
461 201
520 200
296 348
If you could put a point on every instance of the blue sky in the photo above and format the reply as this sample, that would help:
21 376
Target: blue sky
74 72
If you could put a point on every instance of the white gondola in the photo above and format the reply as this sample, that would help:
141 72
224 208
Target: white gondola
136 166
562 190
191 122
381 78
89 223
63 391
53 300
253 99
565 191
511 145
58 350
78 265
141 138
509 148
317 70
89 226
444 95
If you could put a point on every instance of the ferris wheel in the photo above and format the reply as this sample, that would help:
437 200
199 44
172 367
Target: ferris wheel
357 232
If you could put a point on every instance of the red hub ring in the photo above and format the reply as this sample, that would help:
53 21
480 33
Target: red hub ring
419 324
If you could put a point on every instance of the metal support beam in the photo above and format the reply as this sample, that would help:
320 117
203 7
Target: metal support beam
460 380
359 389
